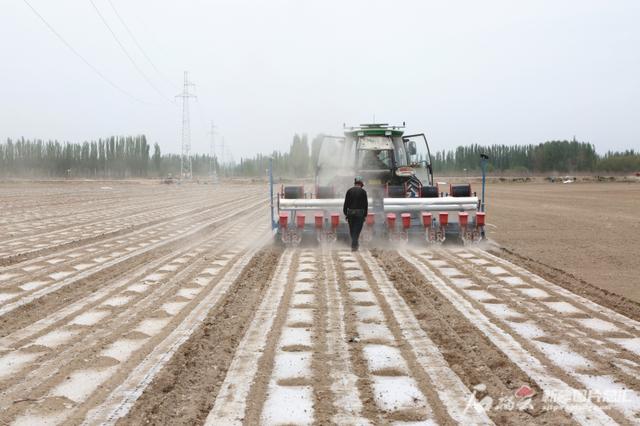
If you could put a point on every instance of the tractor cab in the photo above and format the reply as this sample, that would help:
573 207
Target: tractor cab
398 177
387 159
391 163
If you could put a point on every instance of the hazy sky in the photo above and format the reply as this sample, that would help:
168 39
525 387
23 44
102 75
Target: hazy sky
462 71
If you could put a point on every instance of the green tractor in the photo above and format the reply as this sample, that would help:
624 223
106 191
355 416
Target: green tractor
404 201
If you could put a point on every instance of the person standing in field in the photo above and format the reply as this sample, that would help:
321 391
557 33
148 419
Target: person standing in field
355 209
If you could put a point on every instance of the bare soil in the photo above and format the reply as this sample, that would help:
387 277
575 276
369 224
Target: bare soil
580 236
469 353
184 391
585 233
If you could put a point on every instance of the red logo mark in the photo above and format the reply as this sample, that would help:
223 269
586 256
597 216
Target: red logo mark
525 392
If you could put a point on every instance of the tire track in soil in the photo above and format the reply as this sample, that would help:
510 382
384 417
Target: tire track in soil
184 391
473 357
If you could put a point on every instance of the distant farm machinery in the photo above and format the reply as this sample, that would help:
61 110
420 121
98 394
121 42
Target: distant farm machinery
404 202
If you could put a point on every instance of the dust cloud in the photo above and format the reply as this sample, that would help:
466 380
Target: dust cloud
335 162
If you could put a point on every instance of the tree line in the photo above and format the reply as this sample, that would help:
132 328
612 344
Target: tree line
551 156
115 157
548 157
299 161
133 156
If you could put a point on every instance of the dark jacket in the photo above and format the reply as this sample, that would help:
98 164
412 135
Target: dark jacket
356 199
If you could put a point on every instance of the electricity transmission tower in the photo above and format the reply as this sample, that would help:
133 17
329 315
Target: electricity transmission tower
186 170
222 160
222 153
212 155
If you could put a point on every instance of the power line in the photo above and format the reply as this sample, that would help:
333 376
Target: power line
75 52
202 122
124 50
135 40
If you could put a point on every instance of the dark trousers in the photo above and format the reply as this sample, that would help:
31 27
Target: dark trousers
355 227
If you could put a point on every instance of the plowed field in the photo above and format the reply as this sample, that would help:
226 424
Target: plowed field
159 304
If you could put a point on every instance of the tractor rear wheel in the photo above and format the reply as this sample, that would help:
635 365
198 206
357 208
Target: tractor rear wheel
413 187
